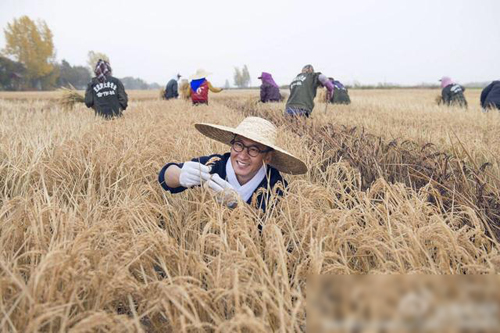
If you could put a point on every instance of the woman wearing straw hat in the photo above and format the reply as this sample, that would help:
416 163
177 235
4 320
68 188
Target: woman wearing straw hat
199 87
253 163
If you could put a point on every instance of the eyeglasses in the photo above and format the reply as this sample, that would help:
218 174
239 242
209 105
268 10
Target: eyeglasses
253 151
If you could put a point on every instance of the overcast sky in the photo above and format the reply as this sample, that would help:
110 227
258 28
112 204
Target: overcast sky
369 41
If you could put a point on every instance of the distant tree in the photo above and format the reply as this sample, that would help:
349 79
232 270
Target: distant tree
93 58
241 77
238 78
31 44
134 83
11 74
246 76
77 76
227 85
154 86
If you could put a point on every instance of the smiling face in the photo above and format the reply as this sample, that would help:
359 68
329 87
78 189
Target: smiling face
245 166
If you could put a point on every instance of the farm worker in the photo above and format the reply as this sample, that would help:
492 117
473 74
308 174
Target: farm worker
249 171
452 93
269 90
171 90
303 90
340 93
105 93
490 96
199 87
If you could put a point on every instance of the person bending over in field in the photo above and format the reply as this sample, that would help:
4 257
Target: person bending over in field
105 93
452 93
340 93
303 90
250 171
269 90
199 87
490 96
171 90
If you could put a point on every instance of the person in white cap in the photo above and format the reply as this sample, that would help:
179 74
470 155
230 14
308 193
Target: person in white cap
199 87
253 163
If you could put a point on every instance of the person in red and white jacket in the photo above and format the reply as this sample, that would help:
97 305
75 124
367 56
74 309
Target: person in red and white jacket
199 87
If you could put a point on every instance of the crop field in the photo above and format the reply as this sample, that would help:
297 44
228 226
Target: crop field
90 242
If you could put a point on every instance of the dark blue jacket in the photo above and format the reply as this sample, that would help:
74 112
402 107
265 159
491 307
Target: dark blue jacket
272 178
490 96
171 89
453 94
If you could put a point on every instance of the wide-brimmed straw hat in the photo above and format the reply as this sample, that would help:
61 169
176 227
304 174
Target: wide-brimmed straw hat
260 131
200 74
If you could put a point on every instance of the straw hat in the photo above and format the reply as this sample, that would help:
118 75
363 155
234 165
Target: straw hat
200 74
261 131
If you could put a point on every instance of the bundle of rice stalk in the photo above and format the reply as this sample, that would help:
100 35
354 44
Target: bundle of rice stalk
162 93
184 89
439 100
69 97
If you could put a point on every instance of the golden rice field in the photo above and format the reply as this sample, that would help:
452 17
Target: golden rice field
90 242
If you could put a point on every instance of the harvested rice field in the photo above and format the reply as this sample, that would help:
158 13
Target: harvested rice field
90 241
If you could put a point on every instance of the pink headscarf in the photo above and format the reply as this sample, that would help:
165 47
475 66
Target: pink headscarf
445 81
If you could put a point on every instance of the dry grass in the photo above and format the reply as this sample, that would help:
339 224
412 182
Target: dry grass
90 241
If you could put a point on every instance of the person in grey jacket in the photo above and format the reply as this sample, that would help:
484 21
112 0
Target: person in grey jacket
105 93
490 96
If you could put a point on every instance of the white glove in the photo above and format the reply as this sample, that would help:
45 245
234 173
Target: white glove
193 174
226 194
218 184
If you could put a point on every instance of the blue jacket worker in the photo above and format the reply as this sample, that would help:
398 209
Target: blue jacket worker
490 96
172 88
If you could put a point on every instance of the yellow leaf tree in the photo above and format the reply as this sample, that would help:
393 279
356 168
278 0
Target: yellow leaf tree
31 44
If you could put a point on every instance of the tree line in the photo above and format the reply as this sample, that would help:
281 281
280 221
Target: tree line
28 61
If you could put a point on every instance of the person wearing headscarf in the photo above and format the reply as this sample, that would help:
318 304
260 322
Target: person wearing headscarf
105 93
199 87
249 172
340 93
452 93
490 96
269 90
303 91
172 88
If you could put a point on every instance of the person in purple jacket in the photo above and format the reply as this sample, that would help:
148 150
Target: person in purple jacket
269 90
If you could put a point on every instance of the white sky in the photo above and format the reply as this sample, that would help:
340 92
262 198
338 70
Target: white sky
370 41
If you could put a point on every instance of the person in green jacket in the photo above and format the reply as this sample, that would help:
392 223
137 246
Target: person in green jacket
303 91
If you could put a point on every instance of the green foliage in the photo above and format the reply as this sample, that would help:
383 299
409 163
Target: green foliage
11 74
31 44
77 76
